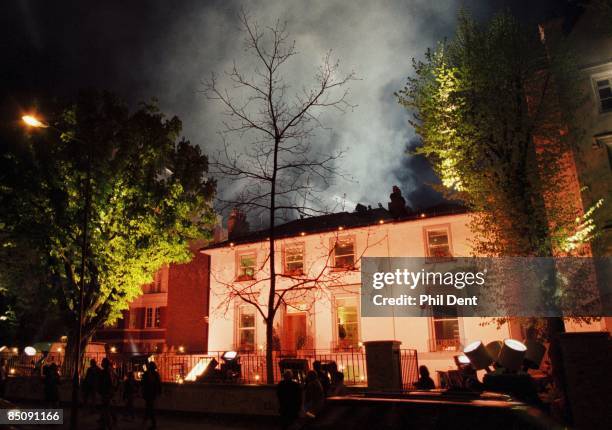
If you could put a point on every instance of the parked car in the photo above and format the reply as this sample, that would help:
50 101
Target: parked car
438 410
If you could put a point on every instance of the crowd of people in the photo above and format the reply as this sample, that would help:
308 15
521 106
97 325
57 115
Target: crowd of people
102 390
306 400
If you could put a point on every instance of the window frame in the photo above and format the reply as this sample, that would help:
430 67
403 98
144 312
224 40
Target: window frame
148 318
334 242
157 317
335 323
594 83
438 227
454 343
295 245
239 329
240 277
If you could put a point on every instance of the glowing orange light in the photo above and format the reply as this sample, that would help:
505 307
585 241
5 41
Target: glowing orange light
340 228
381 221
422 215
302 234
32 121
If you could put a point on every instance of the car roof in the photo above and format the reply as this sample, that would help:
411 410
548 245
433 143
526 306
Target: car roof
486 399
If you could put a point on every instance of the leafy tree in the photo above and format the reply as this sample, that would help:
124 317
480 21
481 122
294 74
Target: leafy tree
495 110
148 197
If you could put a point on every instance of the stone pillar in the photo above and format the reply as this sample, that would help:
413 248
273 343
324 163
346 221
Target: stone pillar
587 358
383 363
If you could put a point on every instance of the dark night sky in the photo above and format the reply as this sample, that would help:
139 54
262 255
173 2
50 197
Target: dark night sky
165 49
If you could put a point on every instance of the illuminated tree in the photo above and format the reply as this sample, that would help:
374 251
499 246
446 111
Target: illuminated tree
149 196
496 108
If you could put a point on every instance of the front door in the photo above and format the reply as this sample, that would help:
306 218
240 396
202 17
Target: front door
294 333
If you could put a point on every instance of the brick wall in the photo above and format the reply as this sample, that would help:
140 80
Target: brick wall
187 311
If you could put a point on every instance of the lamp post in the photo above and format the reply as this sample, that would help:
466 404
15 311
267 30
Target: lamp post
32 121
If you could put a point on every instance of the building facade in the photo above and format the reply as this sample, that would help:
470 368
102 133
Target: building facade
324 313
170 315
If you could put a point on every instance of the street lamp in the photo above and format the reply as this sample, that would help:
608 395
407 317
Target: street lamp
32 121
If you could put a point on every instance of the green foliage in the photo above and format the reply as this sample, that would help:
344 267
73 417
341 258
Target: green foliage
494 108
150 197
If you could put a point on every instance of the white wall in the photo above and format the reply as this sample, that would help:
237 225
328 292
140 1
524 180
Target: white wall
397 239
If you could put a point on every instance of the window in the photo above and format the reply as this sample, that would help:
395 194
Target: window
445 329
157 317
294 259
603 87
246 328
347 322
156 285
246 267
604 140
344 253
438 243
149 318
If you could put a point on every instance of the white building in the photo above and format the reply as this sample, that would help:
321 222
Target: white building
327 317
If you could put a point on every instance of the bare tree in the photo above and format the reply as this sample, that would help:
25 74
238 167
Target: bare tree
267 152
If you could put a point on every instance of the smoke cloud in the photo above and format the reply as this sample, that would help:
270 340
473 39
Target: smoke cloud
375 39
167 49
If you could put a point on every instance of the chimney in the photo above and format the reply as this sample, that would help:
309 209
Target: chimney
397 205
237 224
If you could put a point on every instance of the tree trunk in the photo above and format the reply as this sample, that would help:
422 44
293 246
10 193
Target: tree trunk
269 352
272 259
69 362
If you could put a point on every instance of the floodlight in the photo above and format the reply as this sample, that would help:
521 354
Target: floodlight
29 351
535 353
463 359
478 355
229 355
493 349
512 354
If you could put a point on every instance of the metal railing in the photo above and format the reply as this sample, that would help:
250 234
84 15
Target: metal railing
410 368
177 367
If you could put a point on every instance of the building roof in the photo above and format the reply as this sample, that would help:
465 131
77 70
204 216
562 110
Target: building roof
331 222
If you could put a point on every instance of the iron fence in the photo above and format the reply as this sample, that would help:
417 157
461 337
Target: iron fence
178 367
410 368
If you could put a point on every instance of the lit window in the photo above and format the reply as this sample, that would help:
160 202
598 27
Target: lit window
604 94
149 318
347 323
445 329
246 267
344 253
438 244
246 328
294 259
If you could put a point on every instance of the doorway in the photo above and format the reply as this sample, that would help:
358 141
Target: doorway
294 332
